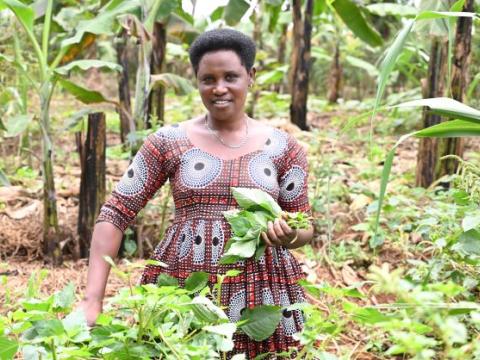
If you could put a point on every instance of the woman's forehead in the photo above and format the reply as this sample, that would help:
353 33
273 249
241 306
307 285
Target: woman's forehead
219 58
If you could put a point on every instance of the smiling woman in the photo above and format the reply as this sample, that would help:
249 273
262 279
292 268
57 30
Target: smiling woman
203 158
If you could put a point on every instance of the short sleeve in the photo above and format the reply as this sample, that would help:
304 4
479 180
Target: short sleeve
293 178
148 171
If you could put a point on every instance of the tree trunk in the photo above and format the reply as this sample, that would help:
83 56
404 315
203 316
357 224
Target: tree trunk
51 236
302 31
257 38
460 79
335 77
428 154
156 101
281 54
125 111
92 184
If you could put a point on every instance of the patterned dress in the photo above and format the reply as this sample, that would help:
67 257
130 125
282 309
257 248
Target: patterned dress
194 241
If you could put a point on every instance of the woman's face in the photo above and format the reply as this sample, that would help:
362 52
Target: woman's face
223 84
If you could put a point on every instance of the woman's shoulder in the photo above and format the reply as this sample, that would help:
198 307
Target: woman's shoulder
171 131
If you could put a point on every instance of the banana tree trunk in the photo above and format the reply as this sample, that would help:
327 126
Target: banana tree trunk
460 79
92 184
302 31
428 153
335 77
156 101
51 236
257 38
125 109
281 53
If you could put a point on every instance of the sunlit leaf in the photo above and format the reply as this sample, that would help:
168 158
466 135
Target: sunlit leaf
234 11
362 64
88 64
261 321
447 107
15 125
454 128
8 348
179 84
392 9
354 19
84 95
196 281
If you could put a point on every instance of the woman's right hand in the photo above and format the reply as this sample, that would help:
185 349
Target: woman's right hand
91 309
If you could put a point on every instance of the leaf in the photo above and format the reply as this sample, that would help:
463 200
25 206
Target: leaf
447 107
179 84
261 321
24 13
250 199
468 243
392 9
65 298
49 328
244 249
196 281
206 310
365 315
454 128
362 64
389 61
103 23
387 168
8 348
429 15
4 179
16 125
74 122
234 11
75 325
86 65
470 222
351 15
166 280
238 223
84 95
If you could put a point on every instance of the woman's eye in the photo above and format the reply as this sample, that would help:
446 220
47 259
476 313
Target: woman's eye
230 77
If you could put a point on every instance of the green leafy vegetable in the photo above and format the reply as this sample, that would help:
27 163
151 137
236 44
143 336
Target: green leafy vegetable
258 208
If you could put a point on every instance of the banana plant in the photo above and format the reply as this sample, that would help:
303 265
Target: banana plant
54 58
465 121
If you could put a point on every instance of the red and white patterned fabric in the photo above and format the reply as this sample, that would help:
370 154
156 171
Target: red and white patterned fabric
201 185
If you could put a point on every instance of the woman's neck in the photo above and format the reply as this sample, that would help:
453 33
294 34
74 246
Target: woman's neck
230 125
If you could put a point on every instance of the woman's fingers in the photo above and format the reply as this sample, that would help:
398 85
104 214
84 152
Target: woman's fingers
266 239
278 233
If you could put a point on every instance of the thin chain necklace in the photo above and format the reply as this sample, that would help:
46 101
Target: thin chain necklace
214 133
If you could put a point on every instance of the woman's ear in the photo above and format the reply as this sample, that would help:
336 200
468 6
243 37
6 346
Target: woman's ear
252 74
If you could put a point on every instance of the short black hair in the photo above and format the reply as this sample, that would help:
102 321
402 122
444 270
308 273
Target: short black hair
223 39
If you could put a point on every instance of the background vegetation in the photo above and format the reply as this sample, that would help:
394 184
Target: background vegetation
393 271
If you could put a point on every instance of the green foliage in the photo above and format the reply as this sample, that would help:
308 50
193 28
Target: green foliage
258 208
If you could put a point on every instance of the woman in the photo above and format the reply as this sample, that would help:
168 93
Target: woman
203 158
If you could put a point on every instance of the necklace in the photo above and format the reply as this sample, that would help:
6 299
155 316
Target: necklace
232 146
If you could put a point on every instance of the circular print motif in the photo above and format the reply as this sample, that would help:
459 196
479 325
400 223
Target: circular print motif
171 132
263 172
134 179
291 184
276 143
199 169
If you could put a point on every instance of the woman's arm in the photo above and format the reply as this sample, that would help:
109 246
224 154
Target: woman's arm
106 240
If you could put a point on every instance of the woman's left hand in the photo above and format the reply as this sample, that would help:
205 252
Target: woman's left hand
279 233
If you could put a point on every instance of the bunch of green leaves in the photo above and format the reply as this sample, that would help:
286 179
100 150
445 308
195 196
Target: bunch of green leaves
247 223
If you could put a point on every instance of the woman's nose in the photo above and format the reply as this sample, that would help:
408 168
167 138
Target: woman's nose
220 88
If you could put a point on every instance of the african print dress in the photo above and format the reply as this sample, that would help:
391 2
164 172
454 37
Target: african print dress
201 185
